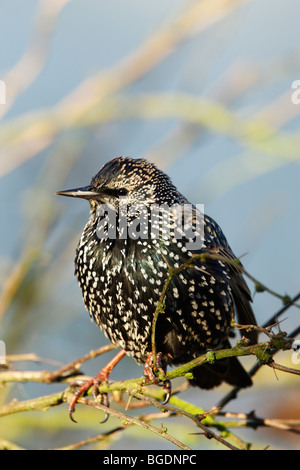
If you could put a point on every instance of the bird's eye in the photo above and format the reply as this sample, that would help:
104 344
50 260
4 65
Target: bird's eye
122 192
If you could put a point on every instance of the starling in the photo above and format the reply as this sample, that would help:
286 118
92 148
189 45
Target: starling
137 230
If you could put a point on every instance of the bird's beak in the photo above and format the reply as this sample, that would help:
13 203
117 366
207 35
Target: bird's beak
86 192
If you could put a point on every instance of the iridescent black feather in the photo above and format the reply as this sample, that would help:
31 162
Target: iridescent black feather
121 277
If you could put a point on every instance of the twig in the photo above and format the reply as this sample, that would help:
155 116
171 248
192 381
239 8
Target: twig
207 432
253 421
158 310
40 403
27 357
129 420
74 366
234 392
289 370
276 316
267 330
91 440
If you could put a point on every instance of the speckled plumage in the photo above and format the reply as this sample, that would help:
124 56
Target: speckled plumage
122 277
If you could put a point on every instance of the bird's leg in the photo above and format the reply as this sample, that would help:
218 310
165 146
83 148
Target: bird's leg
101 377
160 365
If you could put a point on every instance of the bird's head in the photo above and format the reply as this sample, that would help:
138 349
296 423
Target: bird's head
136 181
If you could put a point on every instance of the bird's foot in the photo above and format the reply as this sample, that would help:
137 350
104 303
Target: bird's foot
100 378
160 365
84 388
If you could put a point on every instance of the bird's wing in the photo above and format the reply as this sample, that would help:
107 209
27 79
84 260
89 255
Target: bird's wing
205 235
240 290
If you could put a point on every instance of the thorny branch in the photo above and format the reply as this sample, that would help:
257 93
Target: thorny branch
136 388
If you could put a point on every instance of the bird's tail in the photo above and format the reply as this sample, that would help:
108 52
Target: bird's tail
228 370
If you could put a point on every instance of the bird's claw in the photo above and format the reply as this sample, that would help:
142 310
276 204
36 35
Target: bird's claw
93 383
160 365
168 391
100 378
105 402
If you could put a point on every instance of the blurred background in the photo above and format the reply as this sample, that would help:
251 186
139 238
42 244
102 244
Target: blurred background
201 88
